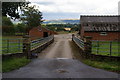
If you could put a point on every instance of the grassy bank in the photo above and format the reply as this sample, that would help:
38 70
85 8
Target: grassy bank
13 63
106 65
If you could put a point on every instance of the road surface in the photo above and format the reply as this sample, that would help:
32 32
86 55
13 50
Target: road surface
59 49
56 62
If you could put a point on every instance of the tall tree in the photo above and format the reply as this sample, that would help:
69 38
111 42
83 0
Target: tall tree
32 17
12 8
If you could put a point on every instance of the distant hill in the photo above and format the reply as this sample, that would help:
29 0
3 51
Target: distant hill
66 21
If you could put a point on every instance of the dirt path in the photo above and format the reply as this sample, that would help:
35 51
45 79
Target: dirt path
59 49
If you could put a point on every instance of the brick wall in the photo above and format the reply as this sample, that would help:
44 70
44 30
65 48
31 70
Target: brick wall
38 32
35 33
96 36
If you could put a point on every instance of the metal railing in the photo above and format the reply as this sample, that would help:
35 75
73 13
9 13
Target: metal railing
38 42
79 42
109 48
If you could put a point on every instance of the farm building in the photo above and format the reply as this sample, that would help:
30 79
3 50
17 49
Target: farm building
39 31
100 27
67 29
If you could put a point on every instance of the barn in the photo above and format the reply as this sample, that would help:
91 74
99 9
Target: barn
100 27
39 31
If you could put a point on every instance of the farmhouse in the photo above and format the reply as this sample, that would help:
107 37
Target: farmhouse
100 27
39 31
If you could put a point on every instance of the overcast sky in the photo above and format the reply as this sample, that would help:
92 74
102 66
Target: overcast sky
72 9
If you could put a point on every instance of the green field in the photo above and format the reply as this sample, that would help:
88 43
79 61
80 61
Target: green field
11 44
105 48
14 44
65 32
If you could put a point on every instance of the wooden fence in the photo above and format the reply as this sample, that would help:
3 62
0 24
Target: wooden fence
12 45
109 48
24 46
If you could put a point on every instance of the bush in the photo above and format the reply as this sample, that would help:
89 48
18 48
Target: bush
20 28
7 26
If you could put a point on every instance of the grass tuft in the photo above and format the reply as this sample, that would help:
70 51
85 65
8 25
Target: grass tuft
13 63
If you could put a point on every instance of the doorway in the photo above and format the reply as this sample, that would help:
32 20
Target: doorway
45 34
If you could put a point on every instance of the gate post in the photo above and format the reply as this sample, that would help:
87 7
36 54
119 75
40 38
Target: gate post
26 46
72 36
88 45
53 38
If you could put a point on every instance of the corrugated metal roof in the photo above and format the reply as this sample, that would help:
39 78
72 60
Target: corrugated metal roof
111 23
101 19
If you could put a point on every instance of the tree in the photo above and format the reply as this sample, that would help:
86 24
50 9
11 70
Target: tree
20 28
51 28
7 26
75 27
12 8
32 17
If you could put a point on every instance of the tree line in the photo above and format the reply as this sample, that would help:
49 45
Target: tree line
60 27
30 17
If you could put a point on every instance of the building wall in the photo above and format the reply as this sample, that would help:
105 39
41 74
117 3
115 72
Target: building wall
111 36
35 33
82 32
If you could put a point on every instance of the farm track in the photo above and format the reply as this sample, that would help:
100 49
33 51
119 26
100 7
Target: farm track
59 49
56 62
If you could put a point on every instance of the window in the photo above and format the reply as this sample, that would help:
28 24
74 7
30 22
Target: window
103 33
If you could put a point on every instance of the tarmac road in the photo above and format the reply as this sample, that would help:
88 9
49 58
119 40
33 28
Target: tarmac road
56 62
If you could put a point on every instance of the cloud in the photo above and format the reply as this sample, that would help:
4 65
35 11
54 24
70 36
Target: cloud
50 15
45 3
94 7
78 6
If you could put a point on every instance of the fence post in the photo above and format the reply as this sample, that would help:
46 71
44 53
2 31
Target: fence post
97 47
72 36
53 38
8 46
110 48
26 46
19 46
88 45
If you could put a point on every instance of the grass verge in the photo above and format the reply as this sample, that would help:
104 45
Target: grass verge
106 65
13 63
